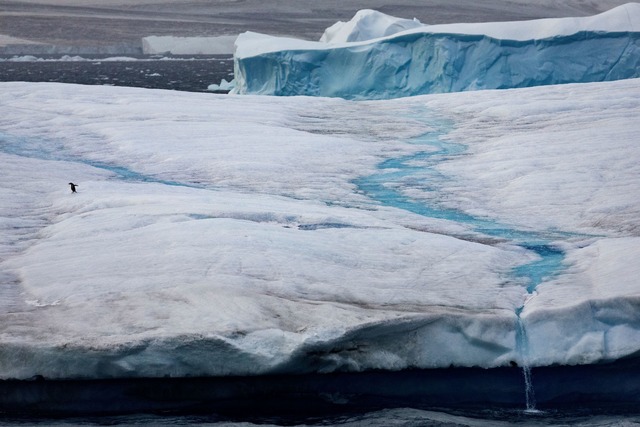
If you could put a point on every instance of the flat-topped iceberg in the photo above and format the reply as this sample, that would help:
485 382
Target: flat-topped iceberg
375 56
197 245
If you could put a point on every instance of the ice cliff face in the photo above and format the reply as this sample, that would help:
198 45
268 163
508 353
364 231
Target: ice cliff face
443 58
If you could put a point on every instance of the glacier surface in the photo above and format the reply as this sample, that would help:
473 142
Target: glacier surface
376 56
199 245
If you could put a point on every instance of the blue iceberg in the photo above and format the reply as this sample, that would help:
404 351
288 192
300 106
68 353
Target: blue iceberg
443 58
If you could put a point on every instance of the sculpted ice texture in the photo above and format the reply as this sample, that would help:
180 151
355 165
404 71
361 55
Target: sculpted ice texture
200 245
398 62
204 246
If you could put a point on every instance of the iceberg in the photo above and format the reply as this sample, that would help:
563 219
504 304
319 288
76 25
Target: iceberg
200 246
224 85
375 56
366 25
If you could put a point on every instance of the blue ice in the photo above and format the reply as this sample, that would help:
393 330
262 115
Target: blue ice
418 171
424 63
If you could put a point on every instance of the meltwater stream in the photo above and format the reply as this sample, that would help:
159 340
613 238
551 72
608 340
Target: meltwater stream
417 172
49 150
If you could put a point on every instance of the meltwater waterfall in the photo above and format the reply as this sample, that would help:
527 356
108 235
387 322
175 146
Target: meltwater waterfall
523 348
418 172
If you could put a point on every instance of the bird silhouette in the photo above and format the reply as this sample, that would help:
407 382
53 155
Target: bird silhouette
73 187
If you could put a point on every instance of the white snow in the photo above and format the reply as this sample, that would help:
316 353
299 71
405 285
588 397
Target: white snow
563 158
224 85
601 289
268 259
370 24
373 57
367 24
621 18
581 187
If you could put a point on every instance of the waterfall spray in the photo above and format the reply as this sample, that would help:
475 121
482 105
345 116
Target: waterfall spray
522 344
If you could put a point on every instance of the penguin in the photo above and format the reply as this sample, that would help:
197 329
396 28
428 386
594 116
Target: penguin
73 187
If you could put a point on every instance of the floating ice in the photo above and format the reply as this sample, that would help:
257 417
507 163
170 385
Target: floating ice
199 245
366 25
223 85
440 58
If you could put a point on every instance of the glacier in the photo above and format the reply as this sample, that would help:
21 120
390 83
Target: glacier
376 56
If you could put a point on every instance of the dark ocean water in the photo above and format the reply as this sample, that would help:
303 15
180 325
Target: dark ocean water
186 73
590 396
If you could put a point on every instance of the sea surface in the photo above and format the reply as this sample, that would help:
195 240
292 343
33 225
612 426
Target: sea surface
404 417
397 417
186 73
195 74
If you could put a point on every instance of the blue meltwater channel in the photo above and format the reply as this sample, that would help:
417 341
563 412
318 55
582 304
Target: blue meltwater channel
36 148
418 172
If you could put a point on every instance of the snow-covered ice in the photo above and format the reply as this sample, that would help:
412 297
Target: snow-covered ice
218 235
367 24
378 56
223 85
